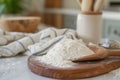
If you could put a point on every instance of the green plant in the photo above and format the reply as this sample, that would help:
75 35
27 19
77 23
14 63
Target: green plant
2 7
12 6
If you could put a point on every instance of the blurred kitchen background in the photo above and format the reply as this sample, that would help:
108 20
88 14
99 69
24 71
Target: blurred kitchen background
62 13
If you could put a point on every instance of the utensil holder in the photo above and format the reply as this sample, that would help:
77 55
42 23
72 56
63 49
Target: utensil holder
89 27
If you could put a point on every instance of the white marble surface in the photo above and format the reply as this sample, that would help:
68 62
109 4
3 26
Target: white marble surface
16 69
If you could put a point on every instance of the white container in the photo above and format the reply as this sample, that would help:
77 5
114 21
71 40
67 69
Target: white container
89 27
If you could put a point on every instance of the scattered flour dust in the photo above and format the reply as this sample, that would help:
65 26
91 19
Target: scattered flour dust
62 54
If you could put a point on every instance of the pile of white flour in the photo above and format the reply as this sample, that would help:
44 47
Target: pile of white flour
62 54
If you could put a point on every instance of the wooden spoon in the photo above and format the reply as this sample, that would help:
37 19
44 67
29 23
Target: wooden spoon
98 5
79 2
100 53
87 5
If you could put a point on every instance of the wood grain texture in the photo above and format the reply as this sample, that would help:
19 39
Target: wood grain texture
98 5
87 5
80 70
52 19
20 24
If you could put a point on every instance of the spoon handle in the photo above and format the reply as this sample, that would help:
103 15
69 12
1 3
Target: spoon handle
79 2
86 5
114 52
98 5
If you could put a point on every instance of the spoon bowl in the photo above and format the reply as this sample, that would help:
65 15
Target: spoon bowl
100 53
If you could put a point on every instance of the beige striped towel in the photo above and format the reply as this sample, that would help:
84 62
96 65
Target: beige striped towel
39 43
7 37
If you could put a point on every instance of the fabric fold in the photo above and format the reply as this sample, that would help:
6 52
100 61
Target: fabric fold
19 46
38 43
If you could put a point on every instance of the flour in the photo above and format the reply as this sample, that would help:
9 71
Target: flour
62 54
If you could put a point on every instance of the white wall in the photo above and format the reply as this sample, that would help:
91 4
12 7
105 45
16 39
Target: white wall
35 5
72 4
106 3
39 4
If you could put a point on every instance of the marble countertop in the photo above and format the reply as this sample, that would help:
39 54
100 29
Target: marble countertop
16 69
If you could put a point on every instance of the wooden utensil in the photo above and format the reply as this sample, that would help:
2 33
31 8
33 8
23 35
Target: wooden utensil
93 5
87 5
79 2
100 53
80 70
98 5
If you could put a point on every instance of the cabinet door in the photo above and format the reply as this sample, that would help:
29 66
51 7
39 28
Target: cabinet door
51 18
112 29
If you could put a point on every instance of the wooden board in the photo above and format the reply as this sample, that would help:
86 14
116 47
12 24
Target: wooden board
80 70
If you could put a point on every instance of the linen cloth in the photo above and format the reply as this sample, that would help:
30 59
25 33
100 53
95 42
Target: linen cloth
40 42
37 42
